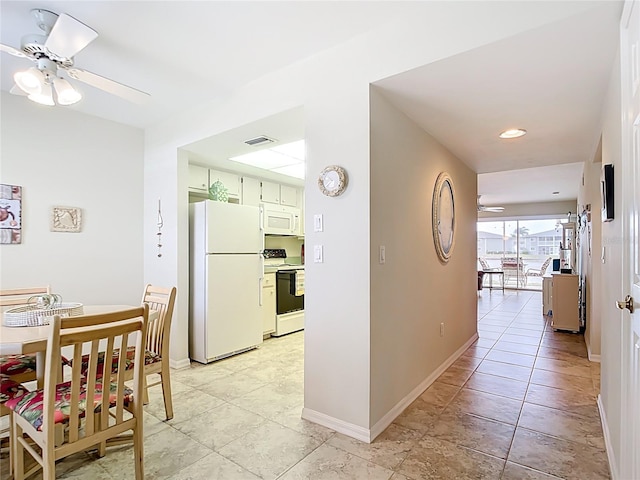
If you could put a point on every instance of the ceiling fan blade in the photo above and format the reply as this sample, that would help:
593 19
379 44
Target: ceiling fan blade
128 93
69 36
12 51
15 90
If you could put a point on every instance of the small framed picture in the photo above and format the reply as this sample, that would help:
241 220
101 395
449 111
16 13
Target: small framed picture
66 219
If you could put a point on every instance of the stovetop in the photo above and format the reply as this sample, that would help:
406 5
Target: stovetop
274 253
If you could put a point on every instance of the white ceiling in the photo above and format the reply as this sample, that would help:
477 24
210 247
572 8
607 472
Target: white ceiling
550 81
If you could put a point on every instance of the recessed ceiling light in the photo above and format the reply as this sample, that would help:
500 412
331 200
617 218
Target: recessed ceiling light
513 133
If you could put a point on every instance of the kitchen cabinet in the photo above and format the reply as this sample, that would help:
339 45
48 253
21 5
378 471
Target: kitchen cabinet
198 178
289 196
269 303
565 302
280 194
231 181
270 192
250 191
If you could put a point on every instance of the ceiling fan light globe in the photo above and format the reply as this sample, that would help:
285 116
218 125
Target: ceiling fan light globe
67 95
30 81
45 97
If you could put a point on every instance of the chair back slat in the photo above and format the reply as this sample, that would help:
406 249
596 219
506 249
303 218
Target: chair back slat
162 300
99 336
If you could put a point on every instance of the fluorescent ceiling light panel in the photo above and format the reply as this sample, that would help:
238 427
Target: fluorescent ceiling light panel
296 170
266 159
287 159
293 149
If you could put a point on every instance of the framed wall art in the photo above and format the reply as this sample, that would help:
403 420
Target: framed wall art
10 214
66 219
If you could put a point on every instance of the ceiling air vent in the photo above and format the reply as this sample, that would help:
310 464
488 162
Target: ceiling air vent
259 141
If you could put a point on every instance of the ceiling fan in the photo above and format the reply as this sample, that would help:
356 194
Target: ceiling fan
63 38
482 208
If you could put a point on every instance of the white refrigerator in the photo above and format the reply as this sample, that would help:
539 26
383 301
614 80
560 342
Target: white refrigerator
226 275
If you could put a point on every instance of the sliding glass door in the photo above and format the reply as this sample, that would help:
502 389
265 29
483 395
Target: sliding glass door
523 249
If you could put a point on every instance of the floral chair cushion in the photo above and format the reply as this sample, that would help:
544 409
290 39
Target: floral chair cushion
31 405
10 389
149 358
17 364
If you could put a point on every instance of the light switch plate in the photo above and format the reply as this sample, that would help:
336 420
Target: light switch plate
383 255
317 254
318 223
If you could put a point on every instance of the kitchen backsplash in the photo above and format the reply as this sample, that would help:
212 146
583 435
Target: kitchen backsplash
292 245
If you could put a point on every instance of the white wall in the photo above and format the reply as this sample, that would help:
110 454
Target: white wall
413 292
591 264
64 158
533 209
333 88
611 387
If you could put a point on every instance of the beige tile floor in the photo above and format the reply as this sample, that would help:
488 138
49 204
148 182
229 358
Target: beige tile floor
519 404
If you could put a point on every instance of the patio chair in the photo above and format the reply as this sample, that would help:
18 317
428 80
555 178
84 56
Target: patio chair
73 416
537 272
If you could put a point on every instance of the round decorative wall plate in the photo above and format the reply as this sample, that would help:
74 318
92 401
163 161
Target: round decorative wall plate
444 220
332 181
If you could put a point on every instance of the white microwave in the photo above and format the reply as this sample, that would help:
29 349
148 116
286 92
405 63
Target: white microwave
280 219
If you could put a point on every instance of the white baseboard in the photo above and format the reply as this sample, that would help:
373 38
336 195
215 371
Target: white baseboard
392 414
592 356
355 431
613 470
368 435
177 364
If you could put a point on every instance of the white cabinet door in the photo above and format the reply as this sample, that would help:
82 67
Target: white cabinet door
289 196
250 191
270 192
230 180
269 304
198 178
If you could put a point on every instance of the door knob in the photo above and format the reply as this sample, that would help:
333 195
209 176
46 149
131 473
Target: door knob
626 303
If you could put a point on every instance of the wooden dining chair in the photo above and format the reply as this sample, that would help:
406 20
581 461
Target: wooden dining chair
21 368
156 359
76 415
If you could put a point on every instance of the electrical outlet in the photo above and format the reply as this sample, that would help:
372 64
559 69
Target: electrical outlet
383 255
442 329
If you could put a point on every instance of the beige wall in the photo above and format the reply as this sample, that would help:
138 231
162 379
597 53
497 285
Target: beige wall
591 265
413 292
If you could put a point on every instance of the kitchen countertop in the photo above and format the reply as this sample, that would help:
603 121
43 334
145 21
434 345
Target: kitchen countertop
275 268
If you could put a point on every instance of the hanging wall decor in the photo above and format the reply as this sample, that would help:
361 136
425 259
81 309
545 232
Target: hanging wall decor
10 214
160 224
66 219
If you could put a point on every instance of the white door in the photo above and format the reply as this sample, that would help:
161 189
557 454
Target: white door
233 228
630 61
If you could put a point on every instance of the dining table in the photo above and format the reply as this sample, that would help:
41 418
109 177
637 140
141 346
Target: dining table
33 340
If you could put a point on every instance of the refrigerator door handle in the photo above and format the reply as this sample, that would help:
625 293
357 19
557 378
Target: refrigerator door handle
262 218
260 290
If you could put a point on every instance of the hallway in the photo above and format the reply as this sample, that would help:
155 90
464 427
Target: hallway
523 393
519 404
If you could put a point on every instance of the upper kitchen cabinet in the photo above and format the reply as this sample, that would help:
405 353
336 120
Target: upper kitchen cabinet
289 196
231 181
250 191
280 194
198 178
